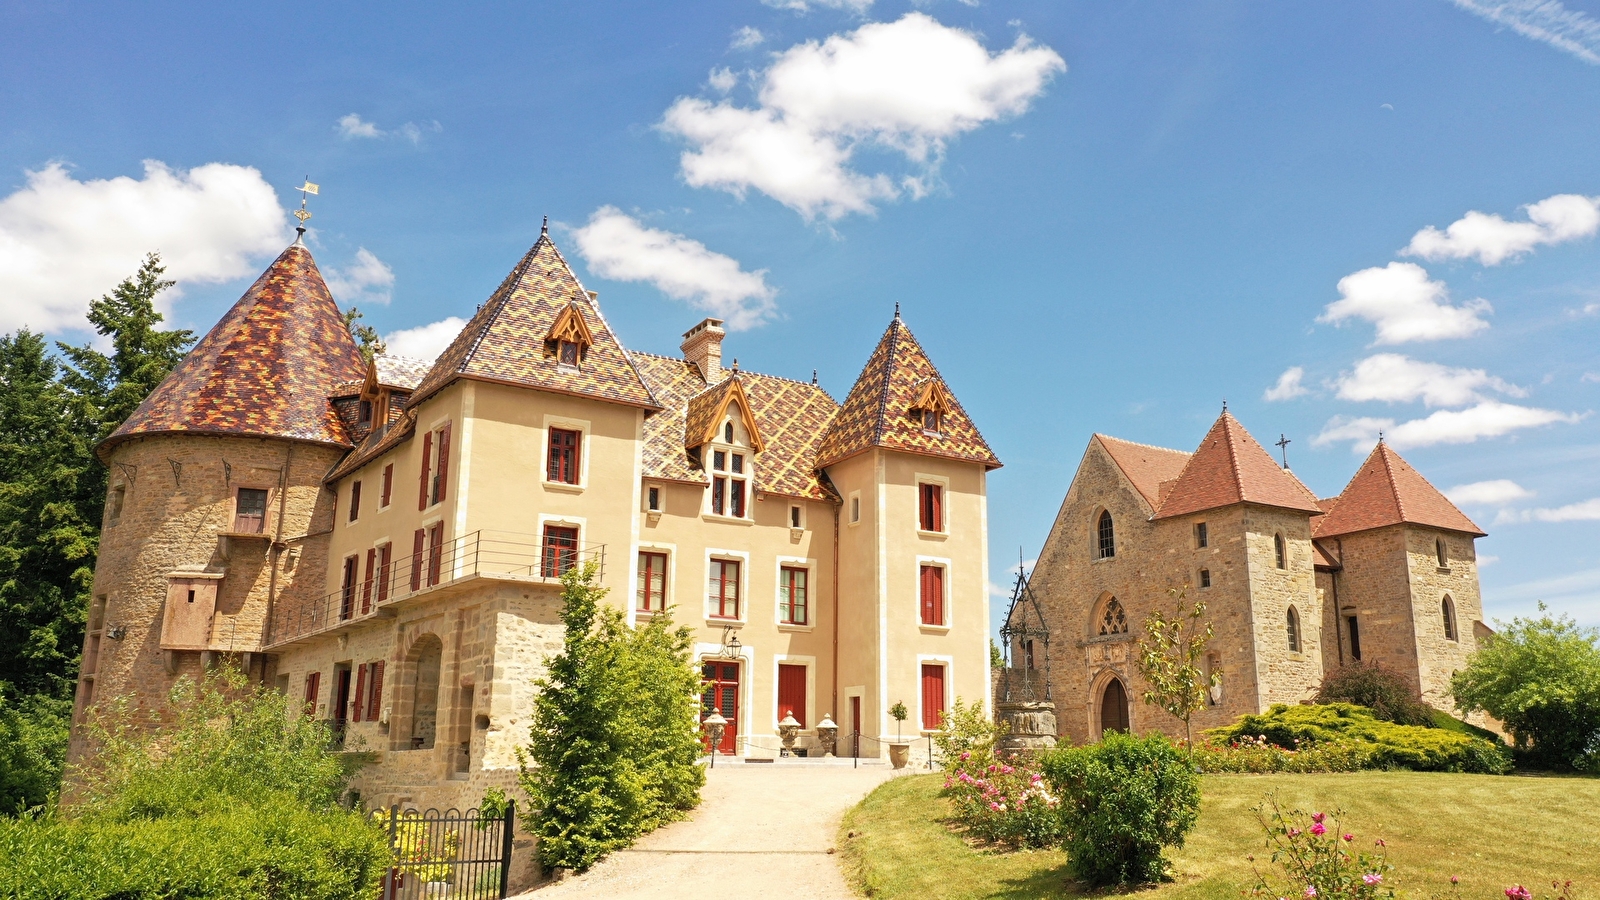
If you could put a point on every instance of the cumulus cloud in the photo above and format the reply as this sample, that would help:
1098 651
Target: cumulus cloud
1546 21
746 38
1587 510
1288 386
353 126
856 6
907 87
1393 378
1490 418
64 242
723 80
1498 492
618 247
1492 240
1404 305
366 280
425 341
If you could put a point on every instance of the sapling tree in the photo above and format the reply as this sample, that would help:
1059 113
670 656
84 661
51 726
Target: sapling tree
898 712
1170 654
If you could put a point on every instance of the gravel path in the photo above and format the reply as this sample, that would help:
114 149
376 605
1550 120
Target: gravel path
760 831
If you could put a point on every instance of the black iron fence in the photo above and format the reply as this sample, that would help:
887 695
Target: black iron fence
453 854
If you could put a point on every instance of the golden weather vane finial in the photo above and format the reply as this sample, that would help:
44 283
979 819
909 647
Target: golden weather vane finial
302 213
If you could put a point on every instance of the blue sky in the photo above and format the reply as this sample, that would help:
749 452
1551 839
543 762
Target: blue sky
1096 216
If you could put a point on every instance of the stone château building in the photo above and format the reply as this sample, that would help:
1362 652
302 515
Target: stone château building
1294 586
384 540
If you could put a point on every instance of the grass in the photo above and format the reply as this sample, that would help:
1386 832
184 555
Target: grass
1493 831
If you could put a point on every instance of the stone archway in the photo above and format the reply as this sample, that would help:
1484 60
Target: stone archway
426 655
1114 713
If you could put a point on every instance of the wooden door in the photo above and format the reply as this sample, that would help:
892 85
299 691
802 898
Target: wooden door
1114 708
792 693
855 726
932 696
721 692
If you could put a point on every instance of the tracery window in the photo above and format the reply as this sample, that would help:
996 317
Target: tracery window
1114 620
1106 533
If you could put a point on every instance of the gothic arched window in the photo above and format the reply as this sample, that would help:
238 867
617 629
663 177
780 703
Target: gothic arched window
1280 553
1113 619
1447 608
1107 535
1294 630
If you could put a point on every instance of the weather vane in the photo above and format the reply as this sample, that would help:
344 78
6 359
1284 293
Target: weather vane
302 213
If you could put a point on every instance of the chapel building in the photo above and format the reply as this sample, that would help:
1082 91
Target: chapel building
384 540
1294 586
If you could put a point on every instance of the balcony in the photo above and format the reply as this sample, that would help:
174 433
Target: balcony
502 556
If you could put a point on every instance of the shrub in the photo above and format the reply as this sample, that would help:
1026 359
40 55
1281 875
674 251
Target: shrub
1258 756
1541 677
965 729
1122 801
1391 746
1003 802
1315 859
33 749
1384 691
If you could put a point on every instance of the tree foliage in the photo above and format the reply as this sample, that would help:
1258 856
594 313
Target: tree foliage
366 337
1541 678
1170 654
1382 690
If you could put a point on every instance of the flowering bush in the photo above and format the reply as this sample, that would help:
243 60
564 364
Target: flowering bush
1318 861
1002 802
1254 754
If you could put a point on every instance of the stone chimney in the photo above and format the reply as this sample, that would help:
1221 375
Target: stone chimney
702 345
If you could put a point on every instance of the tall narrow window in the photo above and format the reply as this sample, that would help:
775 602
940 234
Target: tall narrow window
652 592
932 696
388 485
1107 535
364 412
930 507
366 582
930 420
441 478
855 509
427 470
1355 636
385 553
655 499
1201 537
114 503
1280 554
794 516
1294 630
1027 653
375 692
562 467
418 555
1447 608
1205 578
358 705
727 432
1444 556
313 690
355 500
560 550
722 590
250 511
728 483
435 552
793 605
347 588
931 588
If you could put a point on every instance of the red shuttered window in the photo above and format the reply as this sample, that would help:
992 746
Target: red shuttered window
347 588
562 464
375 699
931 508
442 477
361 694
418 549
792 693
388 485
427 470
384 554
722 591
932 696
355 501
366 583
932 590
313 688
435 552
652 593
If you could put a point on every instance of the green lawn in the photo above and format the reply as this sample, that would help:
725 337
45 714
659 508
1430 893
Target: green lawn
1492 831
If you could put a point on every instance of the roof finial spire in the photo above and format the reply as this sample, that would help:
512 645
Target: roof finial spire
897 310
1283 447
736 365
302 213
1380 437
813 377
1224 404
544 230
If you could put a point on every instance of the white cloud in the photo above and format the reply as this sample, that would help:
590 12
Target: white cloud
1590 377
425 341
1583 511
64 242
366 280
1492 240
908 87
1404 305
746 38
353 126
1490 418
1498 492
722 80
618 247
1393 378
1546 21
1485 559
1288 386
856 6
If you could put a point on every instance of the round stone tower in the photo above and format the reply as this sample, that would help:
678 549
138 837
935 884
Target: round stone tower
216 510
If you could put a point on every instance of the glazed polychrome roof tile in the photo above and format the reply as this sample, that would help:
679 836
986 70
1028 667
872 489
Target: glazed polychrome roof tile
266 369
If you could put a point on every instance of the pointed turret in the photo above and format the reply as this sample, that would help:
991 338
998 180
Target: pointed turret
900 402
1231 467
1387 491
266 370
540 329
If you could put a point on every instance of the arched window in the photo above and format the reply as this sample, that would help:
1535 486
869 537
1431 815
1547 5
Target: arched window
1113 619
1444 555
1447 608
1106 532
1294 630
1114 707
1280 554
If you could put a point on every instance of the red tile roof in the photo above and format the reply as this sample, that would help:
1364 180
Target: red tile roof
1147 467
266 369
1231 467
878 410
1387 491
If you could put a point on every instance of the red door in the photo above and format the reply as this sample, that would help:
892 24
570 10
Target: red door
855 726
932 697
721 681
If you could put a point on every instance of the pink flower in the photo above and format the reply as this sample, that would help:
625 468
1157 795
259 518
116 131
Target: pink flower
1319 829
1311 890
1294 832
965 755
1379 843
1519 893
1318 817
1455 879
1348 836
1372 878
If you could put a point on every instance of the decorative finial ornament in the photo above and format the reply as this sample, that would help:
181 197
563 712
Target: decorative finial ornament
302 213
1380 437
1283 447
813 377
736 365
1224 404
897 310
544 229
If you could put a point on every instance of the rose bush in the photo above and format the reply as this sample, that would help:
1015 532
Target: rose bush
1002 802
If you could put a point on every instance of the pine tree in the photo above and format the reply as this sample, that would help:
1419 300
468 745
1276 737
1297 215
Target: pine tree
366 336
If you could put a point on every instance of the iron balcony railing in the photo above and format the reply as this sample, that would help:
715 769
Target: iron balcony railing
526 557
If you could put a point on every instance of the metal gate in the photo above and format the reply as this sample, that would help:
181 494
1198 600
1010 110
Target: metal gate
454 854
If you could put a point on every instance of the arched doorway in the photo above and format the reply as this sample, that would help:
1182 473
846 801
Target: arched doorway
1114 707
426 654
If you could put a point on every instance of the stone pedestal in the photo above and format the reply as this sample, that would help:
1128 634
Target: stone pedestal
1033 725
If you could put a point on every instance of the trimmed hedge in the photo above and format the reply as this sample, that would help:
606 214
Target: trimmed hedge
1391 746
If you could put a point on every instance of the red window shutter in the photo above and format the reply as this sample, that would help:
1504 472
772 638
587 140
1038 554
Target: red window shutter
418 547
361 693
936 507
932 595
384 553
435 552
313 688
932 696
366 585
355 501
427 470
388 483
444 464
923 515
792 693
375 700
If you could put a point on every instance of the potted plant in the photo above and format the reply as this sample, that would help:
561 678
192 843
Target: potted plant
900 748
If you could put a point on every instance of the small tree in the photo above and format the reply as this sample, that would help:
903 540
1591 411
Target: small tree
366 336
1382 690
898 712
1169 659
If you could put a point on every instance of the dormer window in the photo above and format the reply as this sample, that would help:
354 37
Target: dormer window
728 483
932 402
568 355
364 412
568 337
930 421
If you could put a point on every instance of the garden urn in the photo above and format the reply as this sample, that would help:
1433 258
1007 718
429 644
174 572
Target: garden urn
788 728
827 735
899 753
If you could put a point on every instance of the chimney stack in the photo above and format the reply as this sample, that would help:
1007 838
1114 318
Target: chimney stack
702 345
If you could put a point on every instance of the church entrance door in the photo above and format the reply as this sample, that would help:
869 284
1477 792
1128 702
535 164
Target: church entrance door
1114 707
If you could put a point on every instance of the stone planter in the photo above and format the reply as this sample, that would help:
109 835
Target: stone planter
899 754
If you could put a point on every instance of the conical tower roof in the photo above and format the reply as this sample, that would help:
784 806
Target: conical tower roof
1387 491
512 338
880 410
266 369
1231 467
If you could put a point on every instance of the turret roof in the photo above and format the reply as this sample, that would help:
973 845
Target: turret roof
1387 491
1231 467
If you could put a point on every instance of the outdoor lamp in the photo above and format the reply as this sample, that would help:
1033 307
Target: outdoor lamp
715 724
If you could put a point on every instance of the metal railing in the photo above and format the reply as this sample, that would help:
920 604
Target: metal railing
852 742
521 556
467 853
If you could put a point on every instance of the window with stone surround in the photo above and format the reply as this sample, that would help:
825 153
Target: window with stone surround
1106 536
1201 537
1294 630
1442 553
1280 553
1205 578
1113 619
1447 608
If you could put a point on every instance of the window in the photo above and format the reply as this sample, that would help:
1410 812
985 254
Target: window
425 482
568 354
1027 653
366 582
793 601
347 588
932 696
1113 619
358 704
364 412
930 420
442 476
727 483
930 509
1201 538
355 500
1355 637
722 591
792 692
1280 554
1447 608
931 588
652 592
1106 532
655 499
794 516
250 511
1205 578
388 486
375 691
855 508
435 552
560 550
1444 556
1294 630
727 432
418 548
114 503
562 466
385 552
313 689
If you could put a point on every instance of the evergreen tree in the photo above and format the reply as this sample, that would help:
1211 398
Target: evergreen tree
365 335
